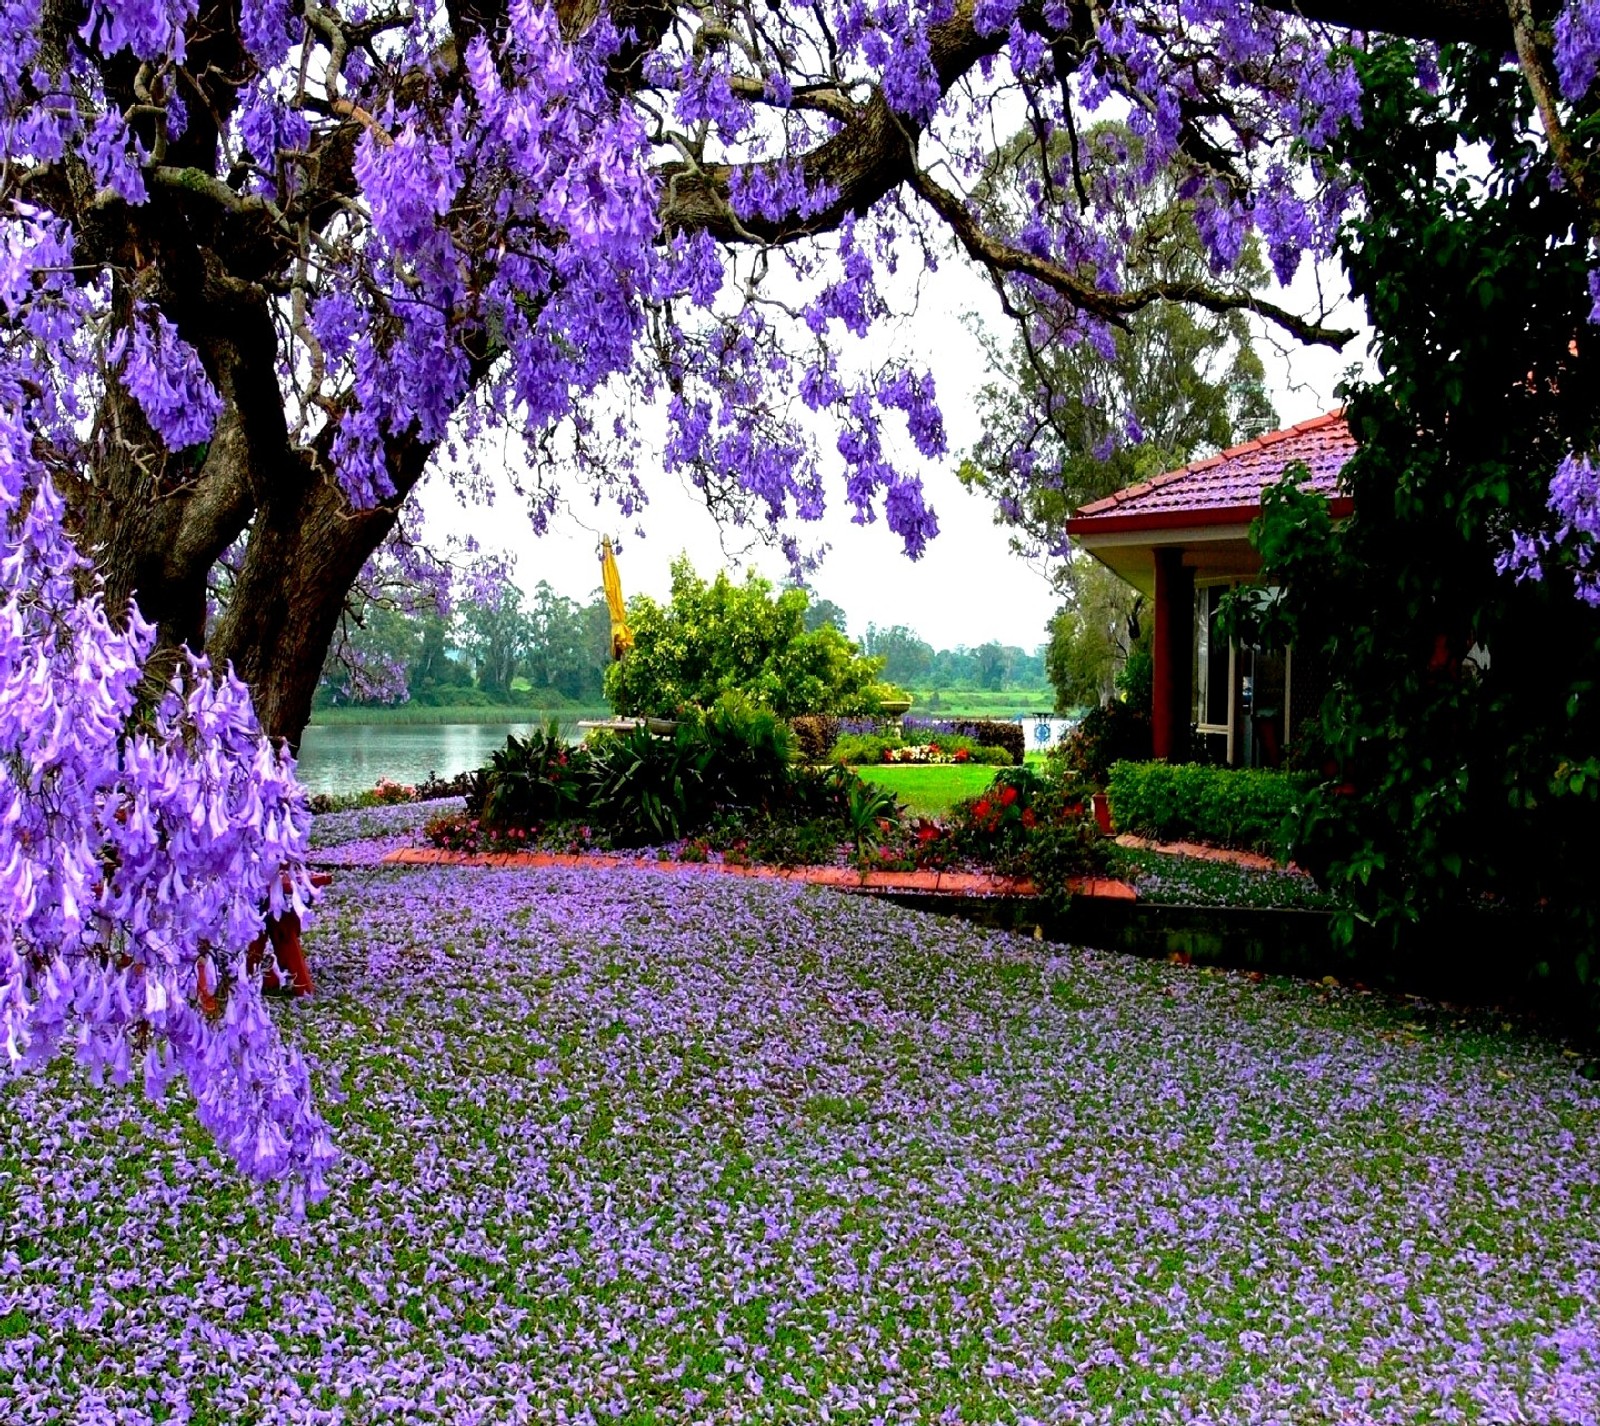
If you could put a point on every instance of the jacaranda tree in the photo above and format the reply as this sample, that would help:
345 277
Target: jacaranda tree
265 264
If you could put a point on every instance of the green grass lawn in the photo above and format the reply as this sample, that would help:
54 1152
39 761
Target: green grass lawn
930 791
679 1150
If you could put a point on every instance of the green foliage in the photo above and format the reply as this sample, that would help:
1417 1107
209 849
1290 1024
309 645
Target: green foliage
1091 635
1113 732
751 752
1232 807
1460 699
863 749
721 637
534 780
870 814
824 612
643 788
1027 825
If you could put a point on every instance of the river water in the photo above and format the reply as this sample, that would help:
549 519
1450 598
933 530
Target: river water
351 757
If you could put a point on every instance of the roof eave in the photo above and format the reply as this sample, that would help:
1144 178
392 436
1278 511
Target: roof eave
1081 527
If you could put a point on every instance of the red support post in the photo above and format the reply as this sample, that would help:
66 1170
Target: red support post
1172 653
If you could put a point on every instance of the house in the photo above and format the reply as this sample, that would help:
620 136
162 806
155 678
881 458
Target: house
1182 540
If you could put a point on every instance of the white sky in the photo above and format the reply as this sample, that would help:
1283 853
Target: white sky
968 587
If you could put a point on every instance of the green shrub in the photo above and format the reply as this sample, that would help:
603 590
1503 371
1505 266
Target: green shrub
815 733
857 749
646 788
534 780
1236 807
1113 732
750 754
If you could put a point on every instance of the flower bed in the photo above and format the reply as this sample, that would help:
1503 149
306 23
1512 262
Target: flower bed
734 1151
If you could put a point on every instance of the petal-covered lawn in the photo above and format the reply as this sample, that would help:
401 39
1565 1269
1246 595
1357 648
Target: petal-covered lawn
624 1147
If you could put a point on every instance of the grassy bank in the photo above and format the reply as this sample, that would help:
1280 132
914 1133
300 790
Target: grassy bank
416 713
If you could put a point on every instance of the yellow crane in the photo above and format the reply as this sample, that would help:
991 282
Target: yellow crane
621 637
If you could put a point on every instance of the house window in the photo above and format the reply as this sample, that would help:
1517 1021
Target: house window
1212 660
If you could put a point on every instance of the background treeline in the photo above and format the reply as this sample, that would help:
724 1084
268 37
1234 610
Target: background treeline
545 650
542 650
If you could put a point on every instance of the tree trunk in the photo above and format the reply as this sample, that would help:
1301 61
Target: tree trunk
306 549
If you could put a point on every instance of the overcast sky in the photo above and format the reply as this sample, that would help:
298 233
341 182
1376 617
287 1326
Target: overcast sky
968 588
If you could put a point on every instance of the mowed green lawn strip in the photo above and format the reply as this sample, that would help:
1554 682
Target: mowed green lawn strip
932 790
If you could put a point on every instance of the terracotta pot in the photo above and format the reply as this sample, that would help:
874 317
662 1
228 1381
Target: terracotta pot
1102 812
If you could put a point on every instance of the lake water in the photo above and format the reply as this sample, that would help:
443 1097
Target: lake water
351 757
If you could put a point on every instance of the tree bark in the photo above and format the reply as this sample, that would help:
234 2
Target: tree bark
306 549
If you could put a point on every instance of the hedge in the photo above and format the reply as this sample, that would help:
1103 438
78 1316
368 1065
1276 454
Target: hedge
992 733
1233 807
815 733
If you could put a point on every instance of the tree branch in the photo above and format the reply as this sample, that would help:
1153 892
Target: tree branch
999 257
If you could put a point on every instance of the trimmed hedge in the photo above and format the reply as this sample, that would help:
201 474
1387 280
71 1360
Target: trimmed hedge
1232 807
993 734
863 749
818 733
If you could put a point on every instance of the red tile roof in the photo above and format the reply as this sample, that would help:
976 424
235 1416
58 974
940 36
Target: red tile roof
1230 482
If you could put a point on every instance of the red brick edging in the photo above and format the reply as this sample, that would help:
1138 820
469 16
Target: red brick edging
945 883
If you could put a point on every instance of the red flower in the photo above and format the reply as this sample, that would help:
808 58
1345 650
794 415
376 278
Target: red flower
980 809
961 755
927 832
1028 819
1008 795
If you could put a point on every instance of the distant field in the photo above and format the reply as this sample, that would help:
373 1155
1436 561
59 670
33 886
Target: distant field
980 703
930 791
452 713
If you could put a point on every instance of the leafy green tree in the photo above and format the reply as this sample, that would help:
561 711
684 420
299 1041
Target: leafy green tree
820 612
498 634
993 665
568 648
1462 722
1091 635
720 637
907 660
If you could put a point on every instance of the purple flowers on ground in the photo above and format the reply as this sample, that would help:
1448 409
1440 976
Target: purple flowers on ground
619 1145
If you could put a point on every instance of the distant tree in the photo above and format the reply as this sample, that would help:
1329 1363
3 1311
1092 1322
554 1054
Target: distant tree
993 665
821 612
907 660
1091 634
563 655
497 633
716 637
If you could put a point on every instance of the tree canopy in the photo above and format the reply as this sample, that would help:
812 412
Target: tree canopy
716 637
266 263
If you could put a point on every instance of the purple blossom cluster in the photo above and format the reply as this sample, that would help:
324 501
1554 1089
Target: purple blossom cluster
144 836
1573 542
624 1145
